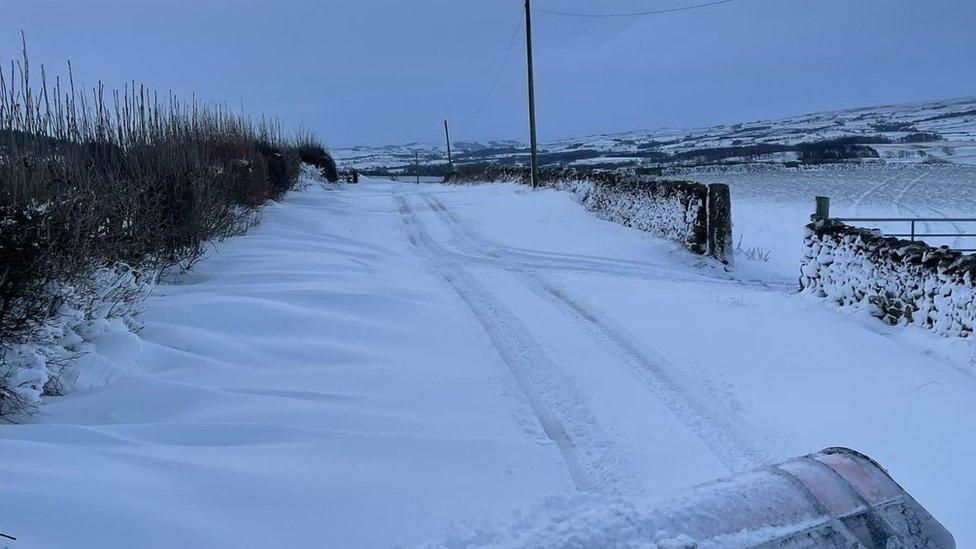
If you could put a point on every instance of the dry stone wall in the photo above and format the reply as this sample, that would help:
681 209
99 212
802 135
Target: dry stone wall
903 282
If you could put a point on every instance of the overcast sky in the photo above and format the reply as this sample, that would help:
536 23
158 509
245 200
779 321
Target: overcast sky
389 71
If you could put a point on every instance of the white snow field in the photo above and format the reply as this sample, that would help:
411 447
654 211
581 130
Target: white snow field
393 363
770 207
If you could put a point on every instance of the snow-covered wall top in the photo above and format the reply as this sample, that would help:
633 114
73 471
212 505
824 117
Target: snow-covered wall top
903 282
671 209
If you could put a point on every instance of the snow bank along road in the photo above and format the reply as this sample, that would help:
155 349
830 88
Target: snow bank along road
375 364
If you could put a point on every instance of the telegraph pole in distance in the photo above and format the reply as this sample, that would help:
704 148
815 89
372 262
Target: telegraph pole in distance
528 51
447 136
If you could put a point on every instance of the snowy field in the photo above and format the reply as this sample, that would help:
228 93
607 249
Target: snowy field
909 133
393 363
771 206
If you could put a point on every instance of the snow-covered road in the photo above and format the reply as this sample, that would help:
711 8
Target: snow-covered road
376 364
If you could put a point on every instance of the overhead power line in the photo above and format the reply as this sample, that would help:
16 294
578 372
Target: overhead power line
634 14
501 69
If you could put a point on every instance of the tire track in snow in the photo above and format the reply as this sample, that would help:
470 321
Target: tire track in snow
859 200
505 256
901 194
582 260
475 246
898 201
730 442
723 437
498 259
592 458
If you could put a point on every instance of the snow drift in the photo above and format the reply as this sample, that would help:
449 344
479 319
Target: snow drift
90 339
317 383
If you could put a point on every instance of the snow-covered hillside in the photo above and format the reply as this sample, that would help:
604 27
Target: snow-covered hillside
393 363
933 131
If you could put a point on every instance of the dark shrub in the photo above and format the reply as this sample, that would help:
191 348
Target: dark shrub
283 167
132 187
845 148
312 153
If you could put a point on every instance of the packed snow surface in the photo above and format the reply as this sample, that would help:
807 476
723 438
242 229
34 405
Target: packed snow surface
392 363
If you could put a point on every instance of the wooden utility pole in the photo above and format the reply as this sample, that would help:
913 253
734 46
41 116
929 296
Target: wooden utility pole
528 51
447 136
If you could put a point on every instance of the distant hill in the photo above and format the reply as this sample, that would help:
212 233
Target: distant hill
932 131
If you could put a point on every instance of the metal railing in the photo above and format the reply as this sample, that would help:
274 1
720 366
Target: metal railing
913 228
823 212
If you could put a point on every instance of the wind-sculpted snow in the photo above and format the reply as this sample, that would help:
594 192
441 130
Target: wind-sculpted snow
365 371
91 341
902 282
